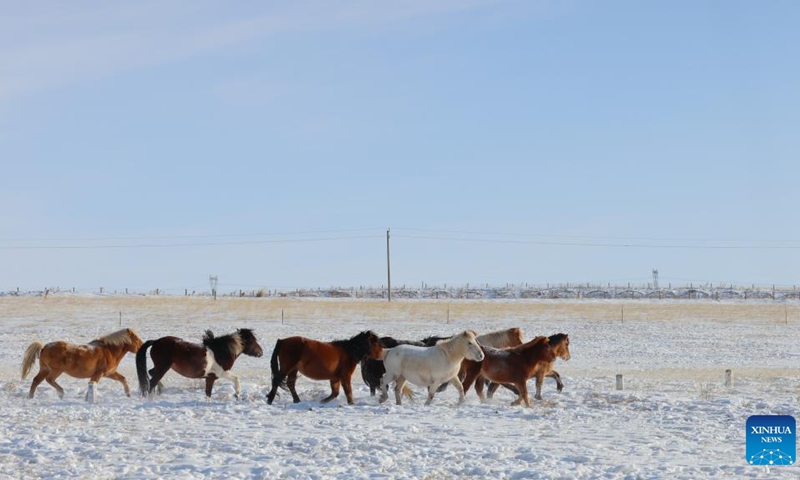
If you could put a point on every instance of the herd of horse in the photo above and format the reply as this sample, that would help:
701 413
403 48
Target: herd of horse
495 359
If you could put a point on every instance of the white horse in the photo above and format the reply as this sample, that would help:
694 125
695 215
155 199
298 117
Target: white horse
429 366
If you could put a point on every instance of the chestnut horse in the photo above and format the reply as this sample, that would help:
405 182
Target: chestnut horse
334 361
99 358
211 360
517 364
429 366
510 337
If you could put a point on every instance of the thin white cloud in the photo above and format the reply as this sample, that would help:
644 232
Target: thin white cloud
58 44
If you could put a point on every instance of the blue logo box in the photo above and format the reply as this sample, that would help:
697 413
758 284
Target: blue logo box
771 440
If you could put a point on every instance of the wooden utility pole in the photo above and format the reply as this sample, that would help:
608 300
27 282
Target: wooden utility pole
388 265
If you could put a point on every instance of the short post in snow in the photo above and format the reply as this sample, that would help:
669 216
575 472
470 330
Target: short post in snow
729 378
91 393
619 381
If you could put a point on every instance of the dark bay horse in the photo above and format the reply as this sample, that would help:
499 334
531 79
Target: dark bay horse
99 358
211 360
517 364
334 361
372 370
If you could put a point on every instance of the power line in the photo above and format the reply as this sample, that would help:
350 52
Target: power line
173 245
596 237
178 237
606 245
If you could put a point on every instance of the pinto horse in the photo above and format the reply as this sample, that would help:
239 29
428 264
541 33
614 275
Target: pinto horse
334 361
211 360
99 358
429 366
517 364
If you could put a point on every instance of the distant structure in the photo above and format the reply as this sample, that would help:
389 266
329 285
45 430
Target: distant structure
655 279
213 282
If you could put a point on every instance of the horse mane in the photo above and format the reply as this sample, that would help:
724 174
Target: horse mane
557 338
120 338
532 343
356 346
433 340
389 342
230 344
501 338
447 344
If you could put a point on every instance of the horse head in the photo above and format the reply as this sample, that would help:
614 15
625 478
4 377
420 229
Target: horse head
559 344
136 342
364 345
249 343
472 351
374 345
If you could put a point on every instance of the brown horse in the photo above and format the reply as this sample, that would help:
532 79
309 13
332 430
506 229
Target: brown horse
334 361
99 358
517 364
211 360
510 337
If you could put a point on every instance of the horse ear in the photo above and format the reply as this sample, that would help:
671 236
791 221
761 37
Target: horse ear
209 335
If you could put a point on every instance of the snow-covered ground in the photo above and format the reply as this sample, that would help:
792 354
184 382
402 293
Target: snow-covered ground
674 419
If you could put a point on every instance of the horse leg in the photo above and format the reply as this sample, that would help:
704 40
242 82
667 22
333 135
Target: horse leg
490 389
523 393
160 385
228 375
51 379
118 377
432 391
554 375
277 378
386 379
400 382
210 379
334 391
457 384
36 381
348 389
480 381
156 374
539 382
522 396
469 378
92 387
291 380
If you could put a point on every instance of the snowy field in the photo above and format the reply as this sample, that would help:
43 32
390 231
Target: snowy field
675 418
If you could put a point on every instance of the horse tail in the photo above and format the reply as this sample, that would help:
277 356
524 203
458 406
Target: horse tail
408 392
141 368
276 371
31 354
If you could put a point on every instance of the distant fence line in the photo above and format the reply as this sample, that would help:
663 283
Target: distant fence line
467 292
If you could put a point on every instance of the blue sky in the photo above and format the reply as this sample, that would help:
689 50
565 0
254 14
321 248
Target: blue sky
272 144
